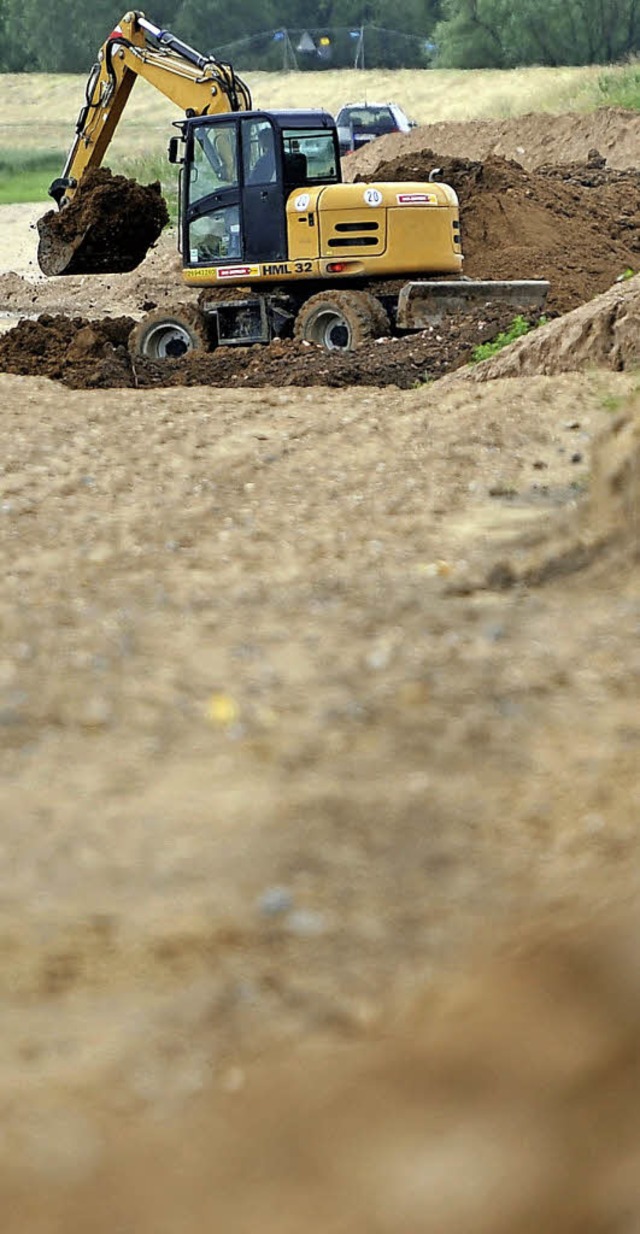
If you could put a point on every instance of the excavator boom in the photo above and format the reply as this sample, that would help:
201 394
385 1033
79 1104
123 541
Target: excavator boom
197 84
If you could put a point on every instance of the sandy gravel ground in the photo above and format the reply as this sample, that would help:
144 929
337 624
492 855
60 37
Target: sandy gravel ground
277 741
19 239
301 693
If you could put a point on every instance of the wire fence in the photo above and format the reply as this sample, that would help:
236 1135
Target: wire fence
337 47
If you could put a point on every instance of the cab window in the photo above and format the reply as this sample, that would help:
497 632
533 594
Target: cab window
259 152
215 236
309 154
215 163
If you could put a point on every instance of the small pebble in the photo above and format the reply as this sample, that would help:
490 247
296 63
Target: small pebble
274 901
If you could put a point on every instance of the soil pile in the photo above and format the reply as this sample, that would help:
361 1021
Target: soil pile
578 226
93 354
531 139
152 284
109 226
501 1086
70 349
614 496
605 333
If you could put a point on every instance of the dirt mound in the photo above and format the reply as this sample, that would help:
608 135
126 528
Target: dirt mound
108 226
614 495
602 532
85 354
507 1107
60 347
532 140
605 333
577 227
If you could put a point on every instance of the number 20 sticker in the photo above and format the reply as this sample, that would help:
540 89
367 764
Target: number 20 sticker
373 197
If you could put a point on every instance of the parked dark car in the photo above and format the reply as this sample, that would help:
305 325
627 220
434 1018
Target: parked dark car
359 123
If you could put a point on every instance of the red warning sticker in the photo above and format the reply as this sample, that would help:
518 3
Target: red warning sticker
416 199
237 272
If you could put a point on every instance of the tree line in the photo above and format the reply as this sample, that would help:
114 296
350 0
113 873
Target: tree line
509 33
64 37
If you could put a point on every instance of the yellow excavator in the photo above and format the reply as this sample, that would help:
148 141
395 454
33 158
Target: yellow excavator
275 242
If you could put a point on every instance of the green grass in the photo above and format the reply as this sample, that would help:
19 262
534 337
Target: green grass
621 88
25 175
615 86
613 403
519 327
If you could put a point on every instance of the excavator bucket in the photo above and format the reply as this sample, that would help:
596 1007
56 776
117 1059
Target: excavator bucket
107 227
423 304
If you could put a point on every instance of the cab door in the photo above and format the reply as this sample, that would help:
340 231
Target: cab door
263 196
213 218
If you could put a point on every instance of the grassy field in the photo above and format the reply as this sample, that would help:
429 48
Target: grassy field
24 175
38 112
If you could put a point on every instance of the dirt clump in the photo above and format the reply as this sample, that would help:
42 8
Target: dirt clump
402 362
107 227
70 349
578 227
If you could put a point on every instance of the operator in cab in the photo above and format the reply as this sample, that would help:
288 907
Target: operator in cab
263 170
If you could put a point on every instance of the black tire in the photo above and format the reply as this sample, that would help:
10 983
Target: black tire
168 335
341 320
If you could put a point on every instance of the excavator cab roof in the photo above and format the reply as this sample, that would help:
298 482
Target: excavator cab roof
297 146
315 118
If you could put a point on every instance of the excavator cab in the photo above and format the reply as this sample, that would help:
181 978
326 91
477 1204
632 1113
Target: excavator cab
238 173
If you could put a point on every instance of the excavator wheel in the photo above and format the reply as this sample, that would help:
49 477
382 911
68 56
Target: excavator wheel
341 320
164 335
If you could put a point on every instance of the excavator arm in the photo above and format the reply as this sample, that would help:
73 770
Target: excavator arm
107 224
199 85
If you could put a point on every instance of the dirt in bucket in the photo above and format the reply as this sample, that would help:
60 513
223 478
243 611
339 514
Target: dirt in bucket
107 227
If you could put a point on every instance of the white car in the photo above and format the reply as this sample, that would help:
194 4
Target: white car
359 123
